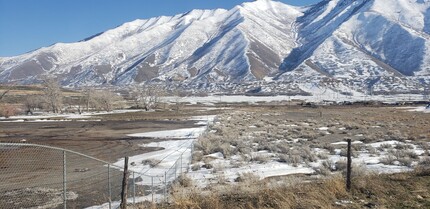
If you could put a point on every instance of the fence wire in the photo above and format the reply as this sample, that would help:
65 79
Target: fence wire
37 176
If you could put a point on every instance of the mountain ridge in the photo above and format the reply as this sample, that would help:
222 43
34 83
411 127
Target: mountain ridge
360 44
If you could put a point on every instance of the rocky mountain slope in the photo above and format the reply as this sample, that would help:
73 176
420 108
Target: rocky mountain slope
347 46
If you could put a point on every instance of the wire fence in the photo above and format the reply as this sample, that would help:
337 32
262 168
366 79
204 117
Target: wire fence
38 176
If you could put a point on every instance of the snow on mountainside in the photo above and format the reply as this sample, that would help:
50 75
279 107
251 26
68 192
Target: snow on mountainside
348 46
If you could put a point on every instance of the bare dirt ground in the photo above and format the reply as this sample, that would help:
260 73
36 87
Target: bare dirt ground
33 171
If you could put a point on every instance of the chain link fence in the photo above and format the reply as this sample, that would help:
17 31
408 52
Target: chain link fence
38 176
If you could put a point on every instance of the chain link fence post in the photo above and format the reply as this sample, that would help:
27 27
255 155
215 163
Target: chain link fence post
109 188
165 186
152 189
180 172
134 189
64 180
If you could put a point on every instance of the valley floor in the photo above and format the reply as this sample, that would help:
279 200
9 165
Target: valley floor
258 155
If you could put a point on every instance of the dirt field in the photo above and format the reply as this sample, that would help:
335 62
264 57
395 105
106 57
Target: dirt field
37 171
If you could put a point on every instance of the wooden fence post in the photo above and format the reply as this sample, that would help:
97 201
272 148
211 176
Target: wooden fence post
348 167
124 185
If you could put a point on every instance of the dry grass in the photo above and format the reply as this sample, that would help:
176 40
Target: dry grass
404 190
253 194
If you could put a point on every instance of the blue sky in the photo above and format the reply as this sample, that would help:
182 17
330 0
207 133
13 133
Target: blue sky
26 25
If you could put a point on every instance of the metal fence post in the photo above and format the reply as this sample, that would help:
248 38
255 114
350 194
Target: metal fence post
152 188
134 190
109 188
165 185
180 172
64 180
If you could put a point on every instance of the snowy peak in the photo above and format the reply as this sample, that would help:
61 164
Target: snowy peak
361 44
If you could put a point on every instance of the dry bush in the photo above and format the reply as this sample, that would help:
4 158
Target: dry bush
208 166
382 147
223 148
358 147
282 147
396 135
425 161
308 155
322 170
261 195
329 164
388 160
403 146
247 178
197 156
195 167
184 181
399 154
151 162
260 158
369 138
341 165
351 126
424 145
7 110
405 162
292 158
212 144
330 147
308 134
322 155
372 150
344 153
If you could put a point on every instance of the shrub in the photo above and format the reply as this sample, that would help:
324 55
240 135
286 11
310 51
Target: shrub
344 152
185 181
403 146
282 148
261 158
328 164
405 162
322 170
8 110
224 148
351 126
372 150
195 167
425 161
308 155
247 177
322 156
387 160
197 156
151 162
382 147
207 166
341 165
331 148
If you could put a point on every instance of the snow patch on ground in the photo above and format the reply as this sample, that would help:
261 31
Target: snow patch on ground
186 133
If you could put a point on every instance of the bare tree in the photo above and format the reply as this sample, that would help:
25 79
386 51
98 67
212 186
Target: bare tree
146 97
31 103
3 93
52 94
104 100
88 97
177 100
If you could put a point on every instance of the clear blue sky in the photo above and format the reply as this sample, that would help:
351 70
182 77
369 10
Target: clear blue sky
26 25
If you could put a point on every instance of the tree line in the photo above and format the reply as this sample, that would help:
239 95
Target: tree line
52 98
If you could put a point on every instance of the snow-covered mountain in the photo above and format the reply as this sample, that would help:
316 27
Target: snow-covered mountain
344 45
